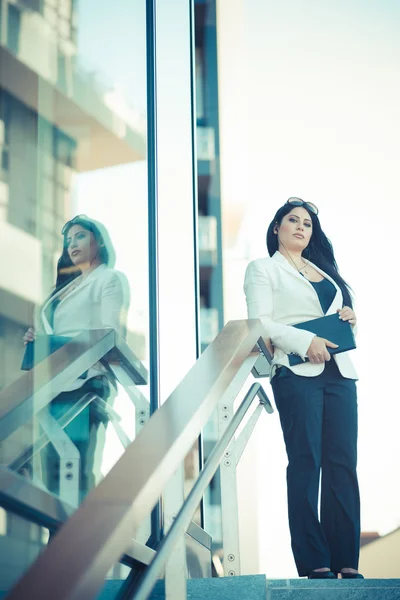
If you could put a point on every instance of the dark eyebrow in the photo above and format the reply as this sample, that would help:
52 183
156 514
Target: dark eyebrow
297 217
77 233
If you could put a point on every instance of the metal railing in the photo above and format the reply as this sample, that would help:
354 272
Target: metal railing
35 389
112 513
184 516
28 398
28 496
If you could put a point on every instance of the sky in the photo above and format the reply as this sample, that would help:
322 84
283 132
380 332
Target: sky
311 109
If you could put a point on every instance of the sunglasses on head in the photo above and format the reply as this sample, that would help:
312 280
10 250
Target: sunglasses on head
299 202
73 221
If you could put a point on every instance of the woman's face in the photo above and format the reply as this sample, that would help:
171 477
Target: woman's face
82 246
295 230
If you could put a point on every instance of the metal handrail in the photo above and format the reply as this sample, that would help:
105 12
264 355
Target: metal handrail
34 390
191 503
112 513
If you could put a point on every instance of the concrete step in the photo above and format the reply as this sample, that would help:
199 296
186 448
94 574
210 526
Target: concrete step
337 589
257 587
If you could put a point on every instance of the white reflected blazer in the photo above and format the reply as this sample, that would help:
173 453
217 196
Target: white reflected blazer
277 294
99 302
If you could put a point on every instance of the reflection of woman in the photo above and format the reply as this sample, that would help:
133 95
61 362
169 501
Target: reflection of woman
316 400
89 294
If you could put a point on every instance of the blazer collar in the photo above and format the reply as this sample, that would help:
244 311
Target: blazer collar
286 264
278 257
84 283
97 271
292 269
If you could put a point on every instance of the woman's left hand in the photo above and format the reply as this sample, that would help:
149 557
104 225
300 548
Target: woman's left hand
347 314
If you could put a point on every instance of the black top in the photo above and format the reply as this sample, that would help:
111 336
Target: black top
50 310
326 292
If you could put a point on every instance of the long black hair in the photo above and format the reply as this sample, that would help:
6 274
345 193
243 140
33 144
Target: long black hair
66 270
319 250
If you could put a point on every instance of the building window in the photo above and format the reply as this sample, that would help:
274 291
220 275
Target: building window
3 522
13 28
34 5
5 119
4 165
3 200
48 193
4 137
199 84
64 148
61 71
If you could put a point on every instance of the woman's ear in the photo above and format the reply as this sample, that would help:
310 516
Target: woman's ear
276 229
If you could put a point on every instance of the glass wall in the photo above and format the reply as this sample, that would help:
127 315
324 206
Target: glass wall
72 142
209 227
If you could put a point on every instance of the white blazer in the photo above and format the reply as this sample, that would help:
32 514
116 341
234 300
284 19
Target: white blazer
277 294
99 302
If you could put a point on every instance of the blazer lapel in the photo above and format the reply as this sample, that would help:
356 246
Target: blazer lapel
46 324
85 282
47 327
278 257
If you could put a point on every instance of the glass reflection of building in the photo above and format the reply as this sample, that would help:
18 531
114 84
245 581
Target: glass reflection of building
60 120
63 127
54 124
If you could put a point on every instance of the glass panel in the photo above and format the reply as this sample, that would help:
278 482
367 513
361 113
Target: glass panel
68 447
20 544
75 146
209 235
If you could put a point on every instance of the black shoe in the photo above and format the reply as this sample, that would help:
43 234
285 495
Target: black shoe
352 576
321 575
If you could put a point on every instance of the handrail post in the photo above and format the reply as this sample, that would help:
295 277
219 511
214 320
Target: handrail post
229 506
229 501
229 493
176 569
141 404
69 458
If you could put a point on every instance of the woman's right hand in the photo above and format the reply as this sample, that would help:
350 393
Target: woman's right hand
29 335
317 352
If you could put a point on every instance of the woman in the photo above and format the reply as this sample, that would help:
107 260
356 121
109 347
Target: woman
89 294
317 399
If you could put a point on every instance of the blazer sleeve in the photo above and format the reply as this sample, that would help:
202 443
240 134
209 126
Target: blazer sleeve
260 305
115 302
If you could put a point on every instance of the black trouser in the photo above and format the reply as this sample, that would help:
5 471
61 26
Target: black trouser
82 431
319 422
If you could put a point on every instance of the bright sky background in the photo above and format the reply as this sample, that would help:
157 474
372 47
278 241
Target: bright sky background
320 118
313 112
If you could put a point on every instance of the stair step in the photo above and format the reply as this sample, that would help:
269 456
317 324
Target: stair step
257 587
336 589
